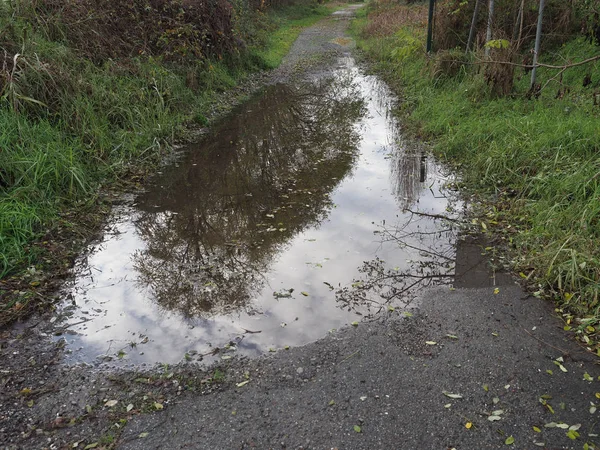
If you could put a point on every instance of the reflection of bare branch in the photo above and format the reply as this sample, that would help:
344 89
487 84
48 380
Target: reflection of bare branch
433 216
433 264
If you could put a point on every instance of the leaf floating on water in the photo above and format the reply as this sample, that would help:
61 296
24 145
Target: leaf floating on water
509 440
243 383
357 429
450 395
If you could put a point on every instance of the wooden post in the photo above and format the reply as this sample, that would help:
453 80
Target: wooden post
430 26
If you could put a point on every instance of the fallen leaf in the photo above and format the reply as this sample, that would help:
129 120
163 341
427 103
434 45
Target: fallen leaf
158 406
431 342
306 294
90 446
143 435
494 418
537 430
243 383
455 396
354 324
587 377
572 434
468 425
331 402
111 403
129 407
496 291
509 440
357 429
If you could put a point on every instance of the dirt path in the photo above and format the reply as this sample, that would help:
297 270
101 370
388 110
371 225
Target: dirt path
428 379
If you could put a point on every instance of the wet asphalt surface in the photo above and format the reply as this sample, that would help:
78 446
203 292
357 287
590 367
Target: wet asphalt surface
379 385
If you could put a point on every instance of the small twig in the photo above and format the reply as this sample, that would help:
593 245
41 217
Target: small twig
350 356
434 216
250 331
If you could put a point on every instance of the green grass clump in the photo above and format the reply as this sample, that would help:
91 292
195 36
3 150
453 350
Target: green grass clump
537 160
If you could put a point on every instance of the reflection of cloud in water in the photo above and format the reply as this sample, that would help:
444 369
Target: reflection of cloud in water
287 193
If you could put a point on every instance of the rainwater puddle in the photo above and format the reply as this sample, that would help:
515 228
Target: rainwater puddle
287 221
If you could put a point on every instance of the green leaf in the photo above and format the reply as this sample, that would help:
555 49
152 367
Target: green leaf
572 434
537 429
243 383
90 446
331 402
143 435
509 440
357 429
306 294
354 324
587 377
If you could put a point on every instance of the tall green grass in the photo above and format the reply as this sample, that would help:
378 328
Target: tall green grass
536 160
69 126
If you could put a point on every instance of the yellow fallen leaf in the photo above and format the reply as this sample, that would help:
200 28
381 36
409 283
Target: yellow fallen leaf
468 425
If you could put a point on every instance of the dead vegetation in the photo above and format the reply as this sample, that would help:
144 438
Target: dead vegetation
389 17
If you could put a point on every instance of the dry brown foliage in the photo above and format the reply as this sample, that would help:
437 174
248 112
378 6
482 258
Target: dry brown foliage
389 17
102 29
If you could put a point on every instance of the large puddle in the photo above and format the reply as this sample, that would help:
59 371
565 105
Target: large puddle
302 212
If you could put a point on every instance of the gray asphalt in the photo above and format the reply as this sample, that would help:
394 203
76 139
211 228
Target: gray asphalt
383 377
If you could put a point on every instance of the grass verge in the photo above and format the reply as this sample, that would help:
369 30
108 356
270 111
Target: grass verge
534 163
71 128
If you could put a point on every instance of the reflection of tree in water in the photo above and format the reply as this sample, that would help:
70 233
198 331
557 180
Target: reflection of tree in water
213 225
408 160
433 262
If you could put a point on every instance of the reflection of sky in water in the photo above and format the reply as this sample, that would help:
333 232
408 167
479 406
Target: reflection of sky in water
123 311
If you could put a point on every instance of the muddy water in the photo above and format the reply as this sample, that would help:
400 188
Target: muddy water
268 233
